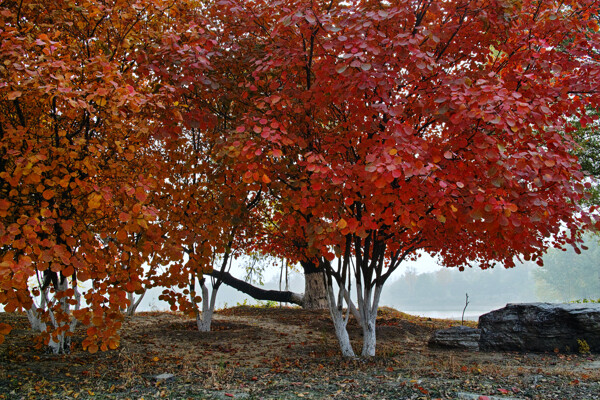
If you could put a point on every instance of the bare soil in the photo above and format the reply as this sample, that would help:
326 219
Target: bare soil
284 353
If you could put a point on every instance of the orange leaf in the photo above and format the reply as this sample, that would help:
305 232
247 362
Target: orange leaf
124 217
13 95
140 194
68 270
92 348
113 343
266 179
95 201
342 223
5 329
48 194
122 235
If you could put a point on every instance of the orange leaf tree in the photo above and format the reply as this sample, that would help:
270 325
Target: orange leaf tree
81 154
393 128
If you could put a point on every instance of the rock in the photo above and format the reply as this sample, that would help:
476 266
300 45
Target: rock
541 327
163 377
474 396
593 365
458 337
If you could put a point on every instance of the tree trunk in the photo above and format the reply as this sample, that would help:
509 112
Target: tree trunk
133 303
339 322
204 319
368 312
315 292
60 342
256 292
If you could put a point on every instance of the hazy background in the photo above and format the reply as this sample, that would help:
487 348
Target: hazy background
425 288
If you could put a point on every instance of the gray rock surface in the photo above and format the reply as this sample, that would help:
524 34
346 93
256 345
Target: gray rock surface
541 327
457 337
164 377
474 396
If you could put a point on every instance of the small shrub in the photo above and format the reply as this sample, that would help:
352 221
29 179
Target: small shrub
584 301
584 347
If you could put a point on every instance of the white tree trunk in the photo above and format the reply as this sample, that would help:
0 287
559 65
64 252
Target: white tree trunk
351 306
204 318
35 320
60 343
368 312
339 322
134 303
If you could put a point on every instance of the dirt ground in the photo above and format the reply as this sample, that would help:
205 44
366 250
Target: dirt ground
284 353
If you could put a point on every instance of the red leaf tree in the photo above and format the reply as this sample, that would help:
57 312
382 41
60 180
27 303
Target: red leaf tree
393 128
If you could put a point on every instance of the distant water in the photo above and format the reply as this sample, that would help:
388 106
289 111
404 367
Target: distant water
454 315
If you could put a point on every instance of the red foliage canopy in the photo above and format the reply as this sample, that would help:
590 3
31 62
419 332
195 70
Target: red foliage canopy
133 130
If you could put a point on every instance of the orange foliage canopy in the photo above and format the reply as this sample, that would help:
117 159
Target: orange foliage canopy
84 109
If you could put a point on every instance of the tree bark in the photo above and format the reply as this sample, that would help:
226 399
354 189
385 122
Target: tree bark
315 292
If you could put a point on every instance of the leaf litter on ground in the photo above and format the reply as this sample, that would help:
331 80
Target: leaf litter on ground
283 353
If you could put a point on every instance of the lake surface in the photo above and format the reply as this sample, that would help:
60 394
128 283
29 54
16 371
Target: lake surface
454 315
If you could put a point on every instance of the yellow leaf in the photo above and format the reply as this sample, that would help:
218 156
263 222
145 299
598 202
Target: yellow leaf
393 152
342 223
101 102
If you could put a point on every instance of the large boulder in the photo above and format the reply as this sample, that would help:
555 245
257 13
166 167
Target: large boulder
541 327
457 337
